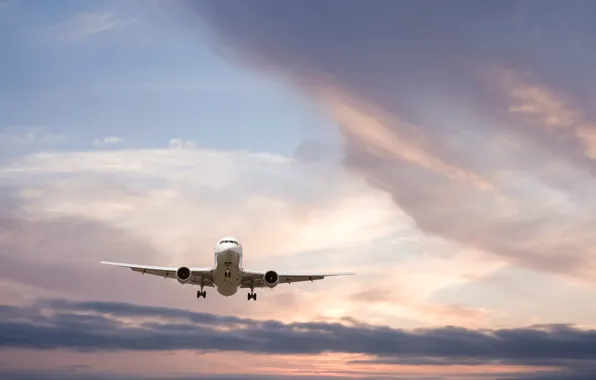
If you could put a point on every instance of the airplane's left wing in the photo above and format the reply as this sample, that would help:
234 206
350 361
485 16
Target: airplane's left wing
196 274
257 278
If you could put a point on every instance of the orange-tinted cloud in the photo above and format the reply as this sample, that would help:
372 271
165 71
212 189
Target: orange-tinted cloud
542 107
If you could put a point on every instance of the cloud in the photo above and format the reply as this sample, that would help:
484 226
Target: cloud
470 155
182 144
564 375
87 24
106 141
28 136
99 326
543 108
35 262
169 182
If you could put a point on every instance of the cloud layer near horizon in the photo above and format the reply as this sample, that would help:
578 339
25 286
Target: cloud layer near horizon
476 121
97 326
88 327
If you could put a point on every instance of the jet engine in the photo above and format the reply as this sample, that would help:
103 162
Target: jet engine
271 279
183 275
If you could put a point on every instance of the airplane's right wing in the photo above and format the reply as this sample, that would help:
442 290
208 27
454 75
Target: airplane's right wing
257 278
196 274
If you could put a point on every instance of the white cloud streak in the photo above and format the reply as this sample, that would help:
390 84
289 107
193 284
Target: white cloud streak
106 141
28 136
87 24
176 143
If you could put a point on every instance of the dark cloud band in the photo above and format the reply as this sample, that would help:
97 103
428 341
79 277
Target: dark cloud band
98 326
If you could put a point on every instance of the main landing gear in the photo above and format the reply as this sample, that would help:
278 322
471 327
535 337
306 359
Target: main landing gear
201 292
252 295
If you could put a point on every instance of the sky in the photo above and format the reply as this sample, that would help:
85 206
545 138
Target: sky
443 151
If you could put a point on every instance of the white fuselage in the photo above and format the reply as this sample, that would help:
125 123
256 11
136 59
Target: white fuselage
227 273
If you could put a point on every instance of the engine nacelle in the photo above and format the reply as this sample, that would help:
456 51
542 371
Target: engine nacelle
271 279
183 275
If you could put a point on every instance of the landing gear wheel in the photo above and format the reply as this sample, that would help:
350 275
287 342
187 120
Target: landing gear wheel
201 293
252 295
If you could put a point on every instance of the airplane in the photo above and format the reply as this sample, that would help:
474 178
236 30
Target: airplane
227 275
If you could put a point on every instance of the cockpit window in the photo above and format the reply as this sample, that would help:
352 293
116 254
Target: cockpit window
229 241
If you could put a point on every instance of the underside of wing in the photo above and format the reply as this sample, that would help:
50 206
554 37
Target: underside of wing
197 275
257 278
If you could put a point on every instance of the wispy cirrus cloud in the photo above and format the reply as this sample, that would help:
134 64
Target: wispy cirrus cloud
542 107
88 24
